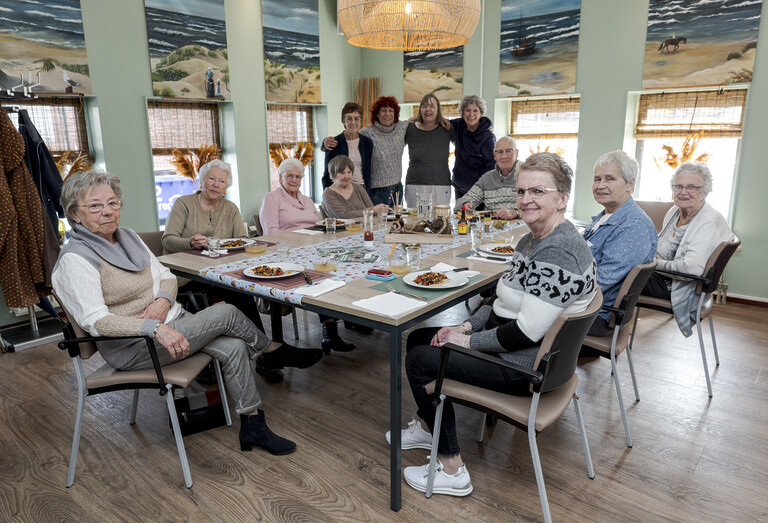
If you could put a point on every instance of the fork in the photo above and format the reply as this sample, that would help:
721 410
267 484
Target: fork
392 289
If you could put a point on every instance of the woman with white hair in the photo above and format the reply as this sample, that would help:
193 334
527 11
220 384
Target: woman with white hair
691 231
474 144
285 208
622 235
204 213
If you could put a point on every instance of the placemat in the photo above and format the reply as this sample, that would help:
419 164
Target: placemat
291 282
230 252
400 285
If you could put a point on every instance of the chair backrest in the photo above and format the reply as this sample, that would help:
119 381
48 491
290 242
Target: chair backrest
87 349
153 240
655 211
257 224
716 265
563 342
630 291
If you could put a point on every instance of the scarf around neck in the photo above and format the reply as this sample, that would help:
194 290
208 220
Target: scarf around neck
129 253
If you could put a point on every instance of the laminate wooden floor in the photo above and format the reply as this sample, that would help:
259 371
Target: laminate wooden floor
694 458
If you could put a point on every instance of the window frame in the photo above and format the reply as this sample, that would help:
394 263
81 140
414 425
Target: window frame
289 138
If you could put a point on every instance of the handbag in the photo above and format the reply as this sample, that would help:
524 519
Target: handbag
199 412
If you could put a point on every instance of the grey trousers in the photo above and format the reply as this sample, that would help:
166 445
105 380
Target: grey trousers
226 334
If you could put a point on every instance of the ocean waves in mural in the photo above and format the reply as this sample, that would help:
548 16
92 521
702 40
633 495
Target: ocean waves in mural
188 48
291 51
45 38
708 42
539 46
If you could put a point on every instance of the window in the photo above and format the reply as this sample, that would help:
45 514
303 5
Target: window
550 124
178 125
60 122
667 119
287 125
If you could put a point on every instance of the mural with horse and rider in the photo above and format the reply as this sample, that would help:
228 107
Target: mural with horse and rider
717 47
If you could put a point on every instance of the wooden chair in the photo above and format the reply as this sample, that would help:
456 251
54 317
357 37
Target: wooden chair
553 386
706 284
612 346
257 224
655 211
82 346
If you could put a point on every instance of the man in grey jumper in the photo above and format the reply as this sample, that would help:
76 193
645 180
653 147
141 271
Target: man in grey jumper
496 188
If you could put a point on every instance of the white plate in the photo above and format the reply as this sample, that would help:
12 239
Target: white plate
455 279
289 268
321 223
247 241
488 248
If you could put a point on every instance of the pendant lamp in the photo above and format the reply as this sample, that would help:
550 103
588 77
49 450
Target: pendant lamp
408 25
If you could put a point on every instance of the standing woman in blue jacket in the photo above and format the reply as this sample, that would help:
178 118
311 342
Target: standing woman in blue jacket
474 144
357 147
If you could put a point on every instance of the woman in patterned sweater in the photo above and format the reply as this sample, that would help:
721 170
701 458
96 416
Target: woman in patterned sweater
551 273
113 286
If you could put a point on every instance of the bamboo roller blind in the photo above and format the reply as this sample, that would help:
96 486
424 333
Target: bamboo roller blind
288 124
449 110
719 114
179 125
545 119
60 122
367 91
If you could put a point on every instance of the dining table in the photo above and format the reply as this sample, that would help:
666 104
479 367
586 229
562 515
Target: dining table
356 298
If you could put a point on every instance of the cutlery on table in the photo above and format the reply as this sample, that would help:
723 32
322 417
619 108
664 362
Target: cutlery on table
392 289
307 278
495 258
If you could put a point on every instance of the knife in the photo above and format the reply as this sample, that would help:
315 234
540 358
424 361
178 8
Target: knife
495 258
307 278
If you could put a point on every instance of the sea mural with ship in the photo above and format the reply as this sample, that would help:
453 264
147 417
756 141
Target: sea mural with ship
291 50
188 48
42 47
439 72
707 42
539 47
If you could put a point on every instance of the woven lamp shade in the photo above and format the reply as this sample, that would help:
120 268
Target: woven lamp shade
408 25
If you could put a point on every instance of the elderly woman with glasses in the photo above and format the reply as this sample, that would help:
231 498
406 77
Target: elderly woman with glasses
691 231
622 235
114 286
551 273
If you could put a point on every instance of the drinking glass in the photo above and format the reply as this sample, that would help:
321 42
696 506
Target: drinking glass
428 208
413 257
455 229
330 225
476 236
212 244
283 251
398 262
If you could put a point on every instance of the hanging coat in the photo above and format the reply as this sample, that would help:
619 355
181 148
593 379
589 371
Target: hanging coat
21 223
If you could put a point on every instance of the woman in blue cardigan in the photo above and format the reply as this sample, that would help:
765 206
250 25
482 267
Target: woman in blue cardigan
357 147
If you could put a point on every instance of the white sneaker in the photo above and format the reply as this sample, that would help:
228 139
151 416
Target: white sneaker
457 484
413 437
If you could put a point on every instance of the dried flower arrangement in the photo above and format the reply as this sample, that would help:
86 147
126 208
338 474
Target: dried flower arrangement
304 152
558 151
67 166
686 152
188 164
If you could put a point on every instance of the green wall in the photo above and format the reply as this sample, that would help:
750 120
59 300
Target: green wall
607 77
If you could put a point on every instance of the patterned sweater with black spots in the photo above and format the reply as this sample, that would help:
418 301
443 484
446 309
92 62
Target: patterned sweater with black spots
547 277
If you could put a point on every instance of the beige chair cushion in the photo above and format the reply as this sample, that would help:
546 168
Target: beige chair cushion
180 374
551 404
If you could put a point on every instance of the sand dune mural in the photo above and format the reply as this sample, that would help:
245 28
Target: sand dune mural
439 72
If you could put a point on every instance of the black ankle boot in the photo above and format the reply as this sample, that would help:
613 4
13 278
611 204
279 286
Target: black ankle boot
254 431
332 340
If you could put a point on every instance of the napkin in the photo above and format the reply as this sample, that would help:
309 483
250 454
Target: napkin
389 304
444 267
206 252
317 289
477 257
308 231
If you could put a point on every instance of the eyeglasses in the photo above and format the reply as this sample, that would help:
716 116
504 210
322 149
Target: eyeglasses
687 188
536 193
501 152
99 207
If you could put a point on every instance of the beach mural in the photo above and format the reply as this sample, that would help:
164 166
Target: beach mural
438 72
42 46
291 50
703 42
188 48
539 47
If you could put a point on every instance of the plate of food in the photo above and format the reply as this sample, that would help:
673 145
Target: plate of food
273 271
340 224
235 243
498 249
435 280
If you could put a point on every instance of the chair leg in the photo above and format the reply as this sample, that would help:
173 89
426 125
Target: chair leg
634 328
435 442
714 341
618 394
81 393
222 392
535 458
632 373
295 324
481 434
703 356
177 435
584 443
134 406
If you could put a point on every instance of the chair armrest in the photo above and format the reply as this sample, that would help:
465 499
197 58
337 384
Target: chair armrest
704 279
535 377
619 313
70 343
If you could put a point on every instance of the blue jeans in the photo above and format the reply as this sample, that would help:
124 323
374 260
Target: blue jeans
385 195
421 365
224 333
